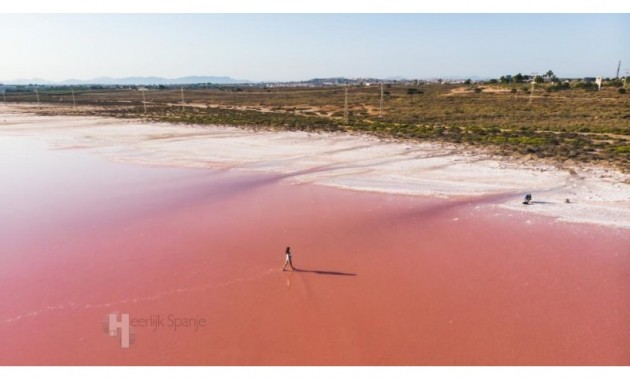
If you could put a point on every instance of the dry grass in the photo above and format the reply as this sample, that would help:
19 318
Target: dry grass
575 125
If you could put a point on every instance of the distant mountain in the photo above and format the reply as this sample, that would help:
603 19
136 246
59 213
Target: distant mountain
147 81
28 81
133 81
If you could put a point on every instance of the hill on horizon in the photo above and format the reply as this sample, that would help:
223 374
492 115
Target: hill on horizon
131 81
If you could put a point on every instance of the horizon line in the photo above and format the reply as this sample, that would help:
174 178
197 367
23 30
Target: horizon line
92 81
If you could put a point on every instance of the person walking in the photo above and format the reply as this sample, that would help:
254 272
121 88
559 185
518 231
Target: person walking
288 259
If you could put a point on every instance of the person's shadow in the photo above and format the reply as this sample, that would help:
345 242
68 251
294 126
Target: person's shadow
326 272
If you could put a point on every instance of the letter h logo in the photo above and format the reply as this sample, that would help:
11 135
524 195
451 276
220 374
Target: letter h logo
123 325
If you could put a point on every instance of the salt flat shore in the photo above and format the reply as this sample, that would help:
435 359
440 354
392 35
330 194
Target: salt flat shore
358 162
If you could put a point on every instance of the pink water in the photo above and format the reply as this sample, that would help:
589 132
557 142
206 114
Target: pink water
385 279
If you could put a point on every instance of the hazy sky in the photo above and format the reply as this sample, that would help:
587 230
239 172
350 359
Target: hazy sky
263 47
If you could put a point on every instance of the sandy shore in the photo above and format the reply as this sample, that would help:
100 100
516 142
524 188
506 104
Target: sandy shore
596 195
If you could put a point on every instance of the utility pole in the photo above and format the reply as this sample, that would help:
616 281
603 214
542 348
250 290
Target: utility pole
531 92
74 101
4 95
618 67
345 105
37 95
144 100
380 113
182 88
